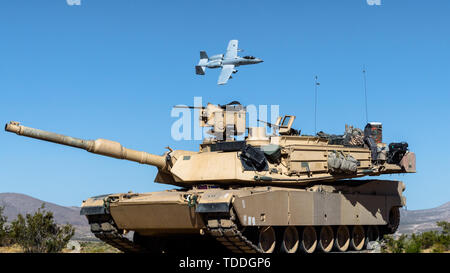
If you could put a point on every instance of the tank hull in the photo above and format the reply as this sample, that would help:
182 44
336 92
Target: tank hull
246 211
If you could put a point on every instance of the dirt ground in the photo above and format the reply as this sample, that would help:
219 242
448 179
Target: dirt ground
86 247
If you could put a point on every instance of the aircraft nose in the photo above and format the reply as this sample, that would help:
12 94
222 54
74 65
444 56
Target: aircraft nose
260 60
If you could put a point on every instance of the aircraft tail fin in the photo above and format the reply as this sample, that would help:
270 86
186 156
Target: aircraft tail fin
201 67
200 70
203 55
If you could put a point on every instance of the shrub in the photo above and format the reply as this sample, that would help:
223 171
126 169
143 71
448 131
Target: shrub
429 238
414 244
439 248
445 227
444 239
39 232
3 228
434 240
394 245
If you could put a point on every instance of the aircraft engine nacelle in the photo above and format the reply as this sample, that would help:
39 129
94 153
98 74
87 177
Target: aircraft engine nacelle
216 57
214 64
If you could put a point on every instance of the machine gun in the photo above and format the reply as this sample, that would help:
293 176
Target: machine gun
270 125
283 125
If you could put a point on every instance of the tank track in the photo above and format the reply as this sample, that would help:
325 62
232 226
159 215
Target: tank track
223 229
226 232
103 227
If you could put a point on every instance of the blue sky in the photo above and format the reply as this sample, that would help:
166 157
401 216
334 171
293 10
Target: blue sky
113 69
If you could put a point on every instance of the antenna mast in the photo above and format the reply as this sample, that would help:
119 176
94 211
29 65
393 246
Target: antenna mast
365 92
316 83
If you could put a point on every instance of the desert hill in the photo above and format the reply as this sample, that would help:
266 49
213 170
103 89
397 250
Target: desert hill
15 203
413 221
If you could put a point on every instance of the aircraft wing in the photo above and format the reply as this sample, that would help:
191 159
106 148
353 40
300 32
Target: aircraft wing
225 74
232 49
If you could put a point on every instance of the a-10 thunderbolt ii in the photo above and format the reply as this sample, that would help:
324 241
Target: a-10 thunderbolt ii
227 62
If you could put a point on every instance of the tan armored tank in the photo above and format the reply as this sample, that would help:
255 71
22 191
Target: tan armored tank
267 193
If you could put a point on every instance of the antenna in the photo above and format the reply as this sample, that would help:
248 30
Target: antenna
365 92
316 83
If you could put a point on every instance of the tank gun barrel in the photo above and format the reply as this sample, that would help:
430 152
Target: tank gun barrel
100 146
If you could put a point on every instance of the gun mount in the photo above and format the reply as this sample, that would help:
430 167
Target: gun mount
225 121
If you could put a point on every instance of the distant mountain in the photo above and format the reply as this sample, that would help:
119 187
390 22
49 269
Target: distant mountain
413 221
16 203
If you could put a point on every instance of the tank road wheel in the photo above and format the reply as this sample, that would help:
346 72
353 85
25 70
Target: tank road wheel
372 234
267 239
290 241
358 238
342 240
326 239
394 220
308 242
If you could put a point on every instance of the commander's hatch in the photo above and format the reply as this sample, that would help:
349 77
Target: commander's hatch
284 125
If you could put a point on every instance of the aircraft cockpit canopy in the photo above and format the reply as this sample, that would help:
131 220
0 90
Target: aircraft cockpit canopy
249 57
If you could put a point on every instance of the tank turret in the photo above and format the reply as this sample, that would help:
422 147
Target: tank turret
285 158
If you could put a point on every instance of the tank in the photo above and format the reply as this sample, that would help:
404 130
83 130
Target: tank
284 192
